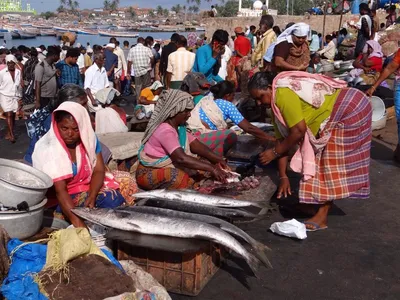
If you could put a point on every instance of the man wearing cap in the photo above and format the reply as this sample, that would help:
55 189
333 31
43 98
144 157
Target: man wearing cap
267 37
10 93
242 45
111 62
69 70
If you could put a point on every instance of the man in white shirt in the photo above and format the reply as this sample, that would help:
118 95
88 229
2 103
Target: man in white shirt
96 79
180 63
10 93
141 59
329 50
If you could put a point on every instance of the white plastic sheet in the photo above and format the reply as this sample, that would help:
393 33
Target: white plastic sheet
291 228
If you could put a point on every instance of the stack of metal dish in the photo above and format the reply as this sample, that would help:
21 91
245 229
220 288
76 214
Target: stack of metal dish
22 198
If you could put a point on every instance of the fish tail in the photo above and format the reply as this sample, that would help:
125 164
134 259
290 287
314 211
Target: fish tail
253 263
260 251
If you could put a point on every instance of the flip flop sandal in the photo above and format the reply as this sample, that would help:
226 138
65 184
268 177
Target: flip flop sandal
316 226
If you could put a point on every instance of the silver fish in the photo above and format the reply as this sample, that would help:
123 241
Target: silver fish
199 198
228 213
165 226
259 248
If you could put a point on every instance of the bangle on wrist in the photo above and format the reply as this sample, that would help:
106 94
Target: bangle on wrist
276 153
284 177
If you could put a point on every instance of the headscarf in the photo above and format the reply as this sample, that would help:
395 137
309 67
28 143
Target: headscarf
156 85
11 58
192 39
171 103
51 155
376 49
298 29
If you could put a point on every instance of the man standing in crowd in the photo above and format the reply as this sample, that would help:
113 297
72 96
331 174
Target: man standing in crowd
96 79
180 63
126 50
45 78
122 65
141 59
268 36
214 11
208 56
111 62
242 45
69 70
166 51
10 93
252 36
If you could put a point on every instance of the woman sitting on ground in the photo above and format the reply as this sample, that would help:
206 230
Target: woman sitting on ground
368 65
317 112
147 100
165 158
291 51
208 120
70 154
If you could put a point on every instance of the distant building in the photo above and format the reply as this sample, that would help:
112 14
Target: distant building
15 7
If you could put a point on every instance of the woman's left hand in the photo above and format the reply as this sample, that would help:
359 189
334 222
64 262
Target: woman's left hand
223 165
90 202
267 156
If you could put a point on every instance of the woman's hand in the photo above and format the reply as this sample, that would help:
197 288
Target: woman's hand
284 188
90 202
219 174
223 165
267 156
371 91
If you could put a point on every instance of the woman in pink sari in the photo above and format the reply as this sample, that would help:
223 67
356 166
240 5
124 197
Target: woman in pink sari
70 154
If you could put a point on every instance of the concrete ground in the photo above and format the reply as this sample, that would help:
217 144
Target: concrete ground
355 258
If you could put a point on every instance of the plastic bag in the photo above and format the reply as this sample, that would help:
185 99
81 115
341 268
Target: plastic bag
291 228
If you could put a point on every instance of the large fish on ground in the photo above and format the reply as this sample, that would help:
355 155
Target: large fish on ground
227 213
258 247
166 226
199 198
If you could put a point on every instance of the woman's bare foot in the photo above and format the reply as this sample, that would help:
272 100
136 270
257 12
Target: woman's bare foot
320 219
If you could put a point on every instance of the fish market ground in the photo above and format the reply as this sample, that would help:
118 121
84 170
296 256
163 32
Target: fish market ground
356 258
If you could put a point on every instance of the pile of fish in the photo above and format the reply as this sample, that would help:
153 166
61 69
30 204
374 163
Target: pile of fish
186 214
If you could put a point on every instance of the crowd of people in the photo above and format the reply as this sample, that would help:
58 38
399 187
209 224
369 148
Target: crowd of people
186 90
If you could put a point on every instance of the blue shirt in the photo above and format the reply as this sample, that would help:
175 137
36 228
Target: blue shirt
111 59
205 62
229 111
69 74
269 55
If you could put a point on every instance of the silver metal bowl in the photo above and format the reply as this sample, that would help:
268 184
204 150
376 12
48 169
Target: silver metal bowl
20 182
20 224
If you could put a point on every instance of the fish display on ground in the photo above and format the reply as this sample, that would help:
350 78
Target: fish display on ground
189 207
259 248
194 197
166 226
239 186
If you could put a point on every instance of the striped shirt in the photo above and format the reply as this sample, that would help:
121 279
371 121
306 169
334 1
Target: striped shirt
179 63
140 56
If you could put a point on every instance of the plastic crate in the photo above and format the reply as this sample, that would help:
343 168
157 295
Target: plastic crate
186 269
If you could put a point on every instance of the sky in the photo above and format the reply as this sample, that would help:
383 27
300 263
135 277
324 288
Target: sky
51 5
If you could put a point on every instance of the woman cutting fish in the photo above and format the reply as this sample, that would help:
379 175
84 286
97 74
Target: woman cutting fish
208 119
166 158
70 154
332 126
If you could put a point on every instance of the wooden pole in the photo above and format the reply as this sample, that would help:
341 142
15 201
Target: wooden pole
341 16
323 28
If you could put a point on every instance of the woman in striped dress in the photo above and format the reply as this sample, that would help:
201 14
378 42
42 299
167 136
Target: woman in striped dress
331 125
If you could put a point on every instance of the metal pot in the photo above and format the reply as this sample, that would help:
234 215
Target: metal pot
21 224
20 182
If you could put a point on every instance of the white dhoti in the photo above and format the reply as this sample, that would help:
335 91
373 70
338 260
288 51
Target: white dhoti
9 103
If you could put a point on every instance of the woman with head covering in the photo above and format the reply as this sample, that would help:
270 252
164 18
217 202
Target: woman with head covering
368 65
208 120
291 51
10 93
330 126
166 155
70 154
